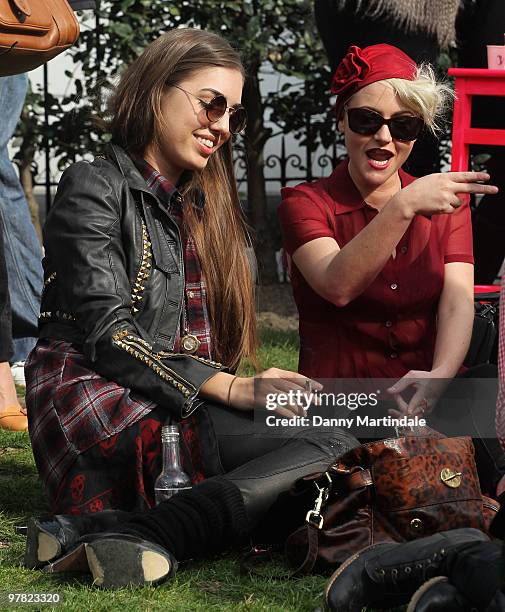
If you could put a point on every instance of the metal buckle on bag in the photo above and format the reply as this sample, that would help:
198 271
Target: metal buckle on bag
451 478
314 516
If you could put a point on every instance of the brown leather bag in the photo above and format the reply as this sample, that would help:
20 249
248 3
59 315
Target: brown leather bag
33 32
389 491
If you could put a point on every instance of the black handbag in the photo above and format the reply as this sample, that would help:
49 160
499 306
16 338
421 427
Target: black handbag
483 345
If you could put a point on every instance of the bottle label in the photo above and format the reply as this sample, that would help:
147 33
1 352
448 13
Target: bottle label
164 494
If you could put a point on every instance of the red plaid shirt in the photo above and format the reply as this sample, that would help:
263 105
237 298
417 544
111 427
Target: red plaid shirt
195 317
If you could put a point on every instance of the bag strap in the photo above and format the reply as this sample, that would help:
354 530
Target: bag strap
307 565
258 556
314 521
358 480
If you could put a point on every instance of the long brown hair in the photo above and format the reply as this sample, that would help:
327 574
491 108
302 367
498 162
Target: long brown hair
219 233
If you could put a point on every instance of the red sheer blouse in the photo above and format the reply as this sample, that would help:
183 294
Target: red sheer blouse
390 328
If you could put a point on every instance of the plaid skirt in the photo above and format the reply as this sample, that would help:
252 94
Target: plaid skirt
96 444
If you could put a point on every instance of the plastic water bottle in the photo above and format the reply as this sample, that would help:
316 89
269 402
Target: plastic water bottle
172 478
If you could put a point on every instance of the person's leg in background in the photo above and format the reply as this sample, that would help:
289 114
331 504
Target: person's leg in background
23 253
341 27
481 23
11 415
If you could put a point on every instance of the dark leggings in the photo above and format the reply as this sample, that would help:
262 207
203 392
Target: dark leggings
120 471
264 465
248 494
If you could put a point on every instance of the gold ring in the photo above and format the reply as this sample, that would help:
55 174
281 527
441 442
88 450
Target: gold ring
308 385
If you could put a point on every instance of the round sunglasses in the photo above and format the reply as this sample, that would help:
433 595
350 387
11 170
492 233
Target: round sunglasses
218 106
366 122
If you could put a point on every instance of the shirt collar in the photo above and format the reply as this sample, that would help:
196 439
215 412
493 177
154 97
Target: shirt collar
161 187
169 194
346 195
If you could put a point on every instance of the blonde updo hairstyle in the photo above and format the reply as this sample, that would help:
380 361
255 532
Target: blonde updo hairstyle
424 96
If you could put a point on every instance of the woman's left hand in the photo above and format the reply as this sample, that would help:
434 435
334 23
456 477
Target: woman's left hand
427 387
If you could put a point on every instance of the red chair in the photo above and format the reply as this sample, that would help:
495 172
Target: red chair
473 82
469 82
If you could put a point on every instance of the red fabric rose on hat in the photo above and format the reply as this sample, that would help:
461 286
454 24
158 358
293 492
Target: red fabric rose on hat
352 69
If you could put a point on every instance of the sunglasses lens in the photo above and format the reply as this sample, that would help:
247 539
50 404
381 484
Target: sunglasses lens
238 120
216 108
363 121
406 128
367 122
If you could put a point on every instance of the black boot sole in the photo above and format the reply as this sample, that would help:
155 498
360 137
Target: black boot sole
120 561
42 546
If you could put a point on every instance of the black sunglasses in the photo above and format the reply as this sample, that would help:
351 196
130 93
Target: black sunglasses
367 122
218 106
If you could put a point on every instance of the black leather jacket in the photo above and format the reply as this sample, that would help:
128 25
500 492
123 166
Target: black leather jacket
114 281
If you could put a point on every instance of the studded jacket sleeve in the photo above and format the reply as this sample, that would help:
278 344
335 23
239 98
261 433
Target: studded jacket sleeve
85 255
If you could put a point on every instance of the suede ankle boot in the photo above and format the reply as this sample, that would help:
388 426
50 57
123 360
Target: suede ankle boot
386 575
49 537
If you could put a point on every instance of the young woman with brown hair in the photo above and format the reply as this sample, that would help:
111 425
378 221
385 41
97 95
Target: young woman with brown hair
148 306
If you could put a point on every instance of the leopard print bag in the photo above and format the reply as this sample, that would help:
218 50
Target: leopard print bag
392 490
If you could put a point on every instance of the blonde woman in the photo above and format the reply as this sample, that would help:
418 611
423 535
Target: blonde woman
382 264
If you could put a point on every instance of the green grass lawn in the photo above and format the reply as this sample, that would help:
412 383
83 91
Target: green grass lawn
210 585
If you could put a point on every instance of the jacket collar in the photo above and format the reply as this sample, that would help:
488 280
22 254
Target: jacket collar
340 182
118 156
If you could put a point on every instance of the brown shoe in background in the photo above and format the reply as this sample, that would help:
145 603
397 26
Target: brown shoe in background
14 418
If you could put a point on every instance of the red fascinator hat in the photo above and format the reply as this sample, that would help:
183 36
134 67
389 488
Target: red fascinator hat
360 67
